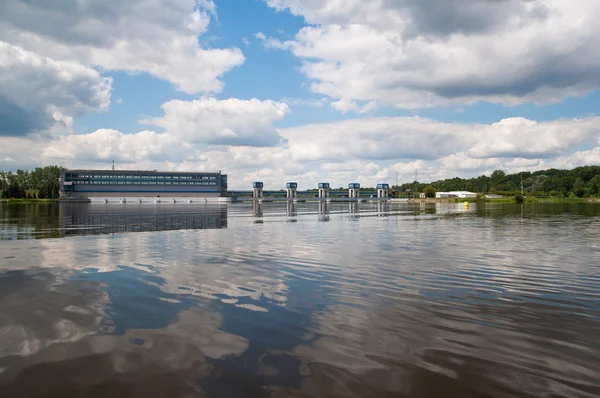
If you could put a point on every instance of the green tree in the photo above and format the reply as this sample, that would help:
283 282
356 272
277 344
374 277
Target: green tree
519 198
429 191
594 185
47 181
15 190
579 187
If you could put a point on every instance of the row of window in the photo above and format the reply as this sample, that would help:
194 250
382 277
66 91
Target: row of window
71 177
145 183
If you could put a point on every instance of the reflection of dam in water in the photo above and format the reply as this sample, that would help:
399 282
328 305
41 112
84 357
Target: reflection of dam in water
84 219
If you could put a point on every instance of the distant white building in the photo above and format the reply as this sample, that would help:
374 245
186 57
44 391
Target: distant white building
455 194
422 195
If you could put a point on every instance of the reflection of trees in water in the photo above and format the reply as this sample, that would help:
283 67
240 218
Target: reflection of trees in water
28 220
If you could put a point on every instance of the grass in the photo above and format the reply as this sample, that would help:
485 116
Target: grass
12 200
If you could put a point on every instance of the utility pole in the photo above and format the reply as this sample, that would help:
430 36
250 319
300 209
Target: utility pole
113 166
521 183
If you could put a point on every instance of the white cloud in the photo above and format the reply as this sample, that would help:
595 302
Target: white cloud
579 158
462 162
315 103
370 107
223 122
106 145
376 139
260 36
41 94
345 106
525 138
367 150
159 37
415 53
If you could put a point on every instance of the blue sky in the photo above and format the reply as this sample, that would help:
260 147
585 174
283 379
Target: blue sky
276 90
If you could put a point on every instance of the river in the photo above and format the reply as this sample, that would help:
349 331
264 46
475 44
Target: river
300 300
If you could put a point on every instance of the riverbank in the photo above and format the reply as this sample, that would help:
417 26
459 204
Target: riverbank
508 199
28 200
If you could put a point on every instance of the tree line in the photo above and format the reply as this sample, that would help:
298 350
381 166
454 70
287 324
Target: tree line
582 182
40 183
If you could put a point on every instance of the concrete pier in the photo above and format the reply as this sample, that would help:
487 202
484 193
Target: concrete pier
257 192
354 190
292 190
324 190
383 191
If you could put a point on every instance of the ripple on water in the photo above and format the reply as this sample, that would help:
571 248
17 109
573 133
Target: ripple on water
395 300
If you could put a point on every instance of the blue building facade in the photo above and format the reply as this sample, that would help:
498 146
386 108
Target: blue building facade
132 183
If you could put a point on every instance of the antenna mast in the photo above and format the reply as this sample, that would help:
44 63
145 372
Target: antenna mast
521 183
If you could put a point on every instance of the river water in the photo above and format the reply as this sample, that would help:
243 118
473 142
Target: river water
276 300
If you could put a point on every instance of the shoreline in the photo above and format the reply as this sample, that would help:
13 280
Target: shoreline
508 199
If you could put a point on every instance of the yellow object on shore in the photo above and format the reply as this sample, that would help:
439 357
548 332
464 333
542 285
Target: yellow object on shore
466 204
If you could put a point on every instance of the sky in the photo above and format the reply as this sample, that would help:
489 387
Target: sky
301 90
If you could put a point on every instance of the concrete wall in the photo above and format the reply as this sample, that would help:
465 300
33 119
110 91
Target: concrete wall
121 190
146 195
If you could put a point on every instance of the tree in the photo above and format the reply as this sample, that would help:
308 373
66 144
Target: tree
15 190
46 180
519 198
429 191
579 187
594 185
498 175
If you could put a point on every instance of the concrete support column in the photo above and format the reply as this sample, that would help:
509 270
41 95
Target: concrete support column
292 189
258 190
324 190
383 191
354 190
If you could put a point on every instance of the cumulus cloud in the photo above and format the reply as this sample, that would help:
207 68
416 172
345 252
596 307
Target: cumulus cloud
376 139
223 122
367 150
416 54
520 137
106 145
463 162
579 158
41 94
159 37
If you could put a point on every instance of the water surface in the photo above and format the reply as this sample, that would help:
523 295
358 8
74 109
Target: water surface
300 300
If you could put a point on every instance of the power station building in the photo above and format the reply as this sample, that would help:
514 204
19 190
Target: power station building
90 184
